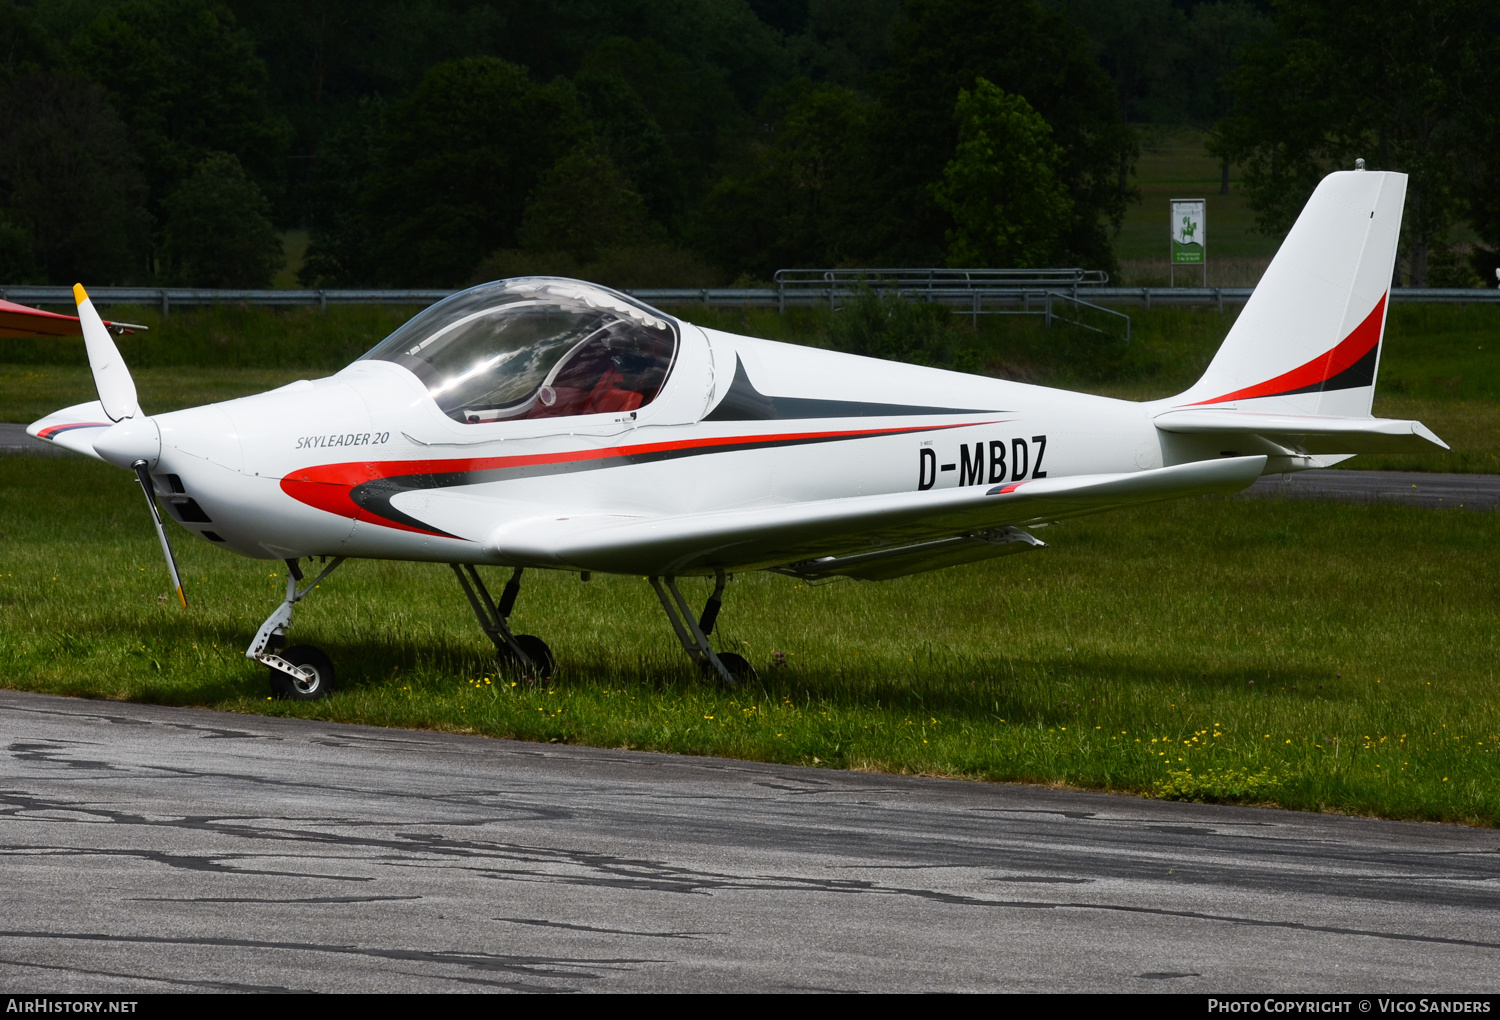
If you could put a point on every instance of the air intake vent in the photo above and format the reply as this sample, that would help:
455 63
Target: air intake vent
187 510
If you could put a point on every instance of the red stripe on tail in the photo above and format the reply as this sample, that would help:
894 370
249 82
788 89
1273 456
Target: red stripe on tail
1360 341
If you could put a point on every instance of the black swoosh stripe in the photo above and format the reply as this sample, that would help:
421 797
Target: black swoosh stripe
375 496
744 402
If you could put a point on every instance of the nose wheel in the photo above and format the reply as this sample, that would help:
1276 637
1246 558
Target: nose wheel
310 677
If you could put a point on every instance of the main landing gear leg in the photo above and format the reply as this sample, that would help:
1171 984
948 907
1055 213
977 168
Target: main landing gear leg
302 672
693 632
529 652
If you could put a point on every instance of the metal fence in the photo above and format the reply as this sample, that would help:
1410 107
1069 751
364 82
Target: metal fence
988 298
938 285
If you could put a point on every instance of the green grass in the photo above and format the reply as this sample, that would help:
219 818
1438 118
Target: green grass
29 392
1441 363
229 336
1317 656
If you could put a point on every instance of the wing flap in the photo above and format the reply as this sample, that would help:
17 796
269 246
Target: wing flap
777 535
885 564
1306 434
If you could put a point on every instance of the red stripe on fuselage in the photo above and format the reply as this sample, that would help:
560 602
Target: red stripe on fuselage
328 486
1360 341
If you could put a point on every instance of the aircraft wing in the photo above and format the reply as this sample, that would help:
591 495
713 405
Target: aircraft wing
21 321
18 321
1305 434
73 428
801 537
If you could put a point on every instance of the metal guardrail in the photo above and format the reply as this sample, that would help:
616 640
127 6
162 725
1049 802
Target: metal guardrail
928 284
1221 296
164 298
961 298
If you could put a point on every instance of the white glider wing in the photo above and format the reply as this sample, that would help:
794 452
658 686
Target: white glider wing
798 533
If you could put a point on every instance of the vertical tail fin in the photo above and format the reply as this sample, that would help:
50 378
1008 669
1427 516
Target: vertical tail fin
1308 340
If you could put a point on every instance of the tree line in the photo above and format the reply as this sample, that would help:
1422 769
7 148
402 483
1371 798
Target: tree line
693 142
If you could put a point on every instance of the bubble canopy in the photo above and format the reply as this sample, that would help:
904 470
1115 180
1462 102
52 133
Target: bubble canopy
535 348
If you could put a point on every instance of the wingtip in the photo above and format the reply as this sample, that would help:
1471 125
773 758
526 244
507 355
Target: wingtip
181 597
79 294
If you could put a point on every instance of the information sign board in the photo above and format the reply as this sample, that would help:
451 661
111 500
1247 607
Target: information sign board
1189 237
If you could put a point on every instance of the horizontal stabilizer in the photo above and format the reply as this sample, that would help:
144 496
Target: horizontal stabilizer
779 535
73 428
1305 434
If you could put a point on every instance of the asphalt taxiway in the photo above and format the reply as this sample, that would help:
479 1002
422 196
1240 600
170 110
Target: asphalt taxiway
13 439
153 849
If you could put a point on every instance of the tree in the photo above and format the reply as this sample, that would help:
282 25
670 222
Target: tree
583 205
340 235
944 46
690 100
1401 83
1137 42
461 154
186 80
17 262
797 196
1002 189
1217 34
24 47
635 143
843 41
70 180
219 231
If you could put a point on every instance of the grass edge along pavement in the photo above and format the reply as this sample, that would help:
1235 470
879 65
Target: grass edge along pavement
1313 656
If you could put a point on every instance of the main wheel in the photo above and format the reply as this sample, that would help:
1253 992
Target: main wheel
540 655
303 688
738 666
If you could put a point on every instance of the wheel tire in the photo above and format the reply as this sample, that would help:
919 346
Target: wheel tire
290 688
738 666
540 655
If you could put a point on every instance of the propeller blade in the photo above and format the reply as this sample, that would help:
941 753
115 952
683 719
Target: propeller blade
111 377
143 475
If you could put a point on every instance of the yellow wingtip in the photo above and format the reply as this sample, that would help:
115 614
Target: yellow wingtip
182 598
79 294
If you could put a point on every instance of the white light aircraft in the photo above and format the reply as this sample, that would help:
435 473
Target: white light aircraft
544 423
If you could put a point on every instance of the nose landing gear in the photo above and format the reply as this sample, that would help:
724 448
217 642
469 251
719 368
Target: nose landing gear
302 672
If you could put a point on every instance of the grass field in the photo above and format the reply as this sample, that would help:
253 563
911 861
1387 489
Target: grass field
1315 656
